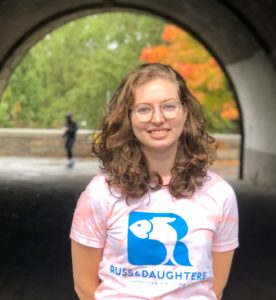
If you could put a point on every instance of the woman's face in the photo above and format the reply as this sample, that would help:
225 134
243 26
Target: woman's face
157 116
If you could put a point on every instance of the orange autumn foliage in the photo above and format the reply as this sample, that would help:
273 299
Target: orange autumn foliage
153 54
229 111
201 71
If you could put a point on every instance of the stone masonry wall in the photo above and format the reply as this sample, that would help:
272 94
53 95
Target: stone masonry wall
49 143
41 143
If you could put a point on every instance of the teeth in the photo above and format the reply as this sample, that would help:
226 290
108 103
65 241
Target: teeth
163 130
158 132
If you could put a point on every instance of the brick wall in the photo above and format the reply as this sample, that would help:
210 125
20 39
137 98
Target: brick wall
49 143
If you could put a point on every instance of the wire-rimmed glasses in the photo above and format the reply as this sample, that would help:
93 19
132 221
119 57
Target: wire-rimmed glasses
144 112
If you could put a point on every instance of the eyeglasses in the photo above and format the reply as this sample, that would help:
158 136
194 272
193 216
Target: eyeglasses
144 112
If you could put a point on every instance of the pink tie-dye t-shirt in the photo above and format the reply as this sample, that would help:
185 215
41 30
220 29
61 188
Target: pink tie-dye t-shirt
157 247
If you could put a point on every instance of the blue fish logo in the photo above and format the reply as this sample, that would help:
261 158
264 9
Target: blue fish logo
155 239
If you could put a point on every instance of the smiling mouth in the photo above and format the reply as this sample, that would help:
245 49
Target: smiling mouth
158 133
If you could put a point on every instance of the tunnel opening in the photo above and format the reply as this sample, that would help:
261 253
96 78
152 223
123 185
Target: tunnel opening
236 152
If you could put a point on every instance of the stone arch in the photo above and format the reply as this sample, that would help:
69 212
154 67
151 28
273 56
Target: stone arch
241 44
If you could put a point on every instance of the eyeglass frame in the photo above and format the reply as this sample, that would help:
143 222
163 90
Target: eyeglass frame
132 109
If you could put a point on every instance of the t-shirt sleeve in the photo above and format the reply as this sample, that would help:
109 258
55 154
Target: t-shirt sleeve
226 235
90 216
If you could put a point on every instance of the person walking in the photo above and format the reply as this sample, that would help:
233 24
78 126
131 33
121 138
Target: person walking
70 130
155 223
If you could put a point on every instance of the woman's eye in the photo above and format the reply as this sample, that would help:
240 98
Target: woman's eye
143 110
169 107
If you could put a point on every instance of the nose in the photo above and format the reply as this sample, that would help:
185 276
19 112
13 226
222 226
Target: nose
157 116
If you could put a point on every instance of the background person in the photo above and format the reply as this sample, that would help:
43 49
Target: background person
70 130
155 223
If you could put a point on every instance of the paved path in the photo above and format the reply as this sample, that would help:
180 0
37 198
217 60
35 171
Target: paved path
41 169
37 199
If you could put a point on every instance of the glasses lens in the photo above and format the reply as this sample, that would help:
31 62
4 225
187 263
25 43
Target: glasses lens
143 112
170 109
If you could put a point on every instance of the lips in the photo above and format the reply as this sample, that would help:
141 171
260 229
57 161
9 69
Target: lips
158 133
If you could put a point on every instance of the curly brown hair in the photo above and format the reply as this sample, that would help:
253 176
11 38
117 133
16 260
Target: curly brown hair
119 151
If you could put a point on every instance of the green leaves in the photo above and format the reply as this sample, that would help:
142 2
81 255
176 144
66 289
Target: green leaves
75 68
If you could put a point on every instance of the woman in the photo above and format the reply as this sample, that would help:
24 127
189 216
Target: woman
155 223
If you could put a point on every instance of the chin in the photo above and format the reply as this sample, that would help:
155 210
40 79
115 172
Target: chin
159 146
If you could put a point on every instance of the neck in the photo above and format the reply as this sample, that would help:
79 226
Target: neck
161 162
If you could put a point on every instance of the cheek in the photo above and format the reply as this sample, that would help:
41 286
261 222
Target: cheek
137 127
179 124
181 121
179 131
179 127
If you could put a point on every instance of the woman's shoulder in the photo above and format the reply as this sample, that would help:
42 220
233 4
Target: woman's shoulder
98 184
216 186
99 189
216 194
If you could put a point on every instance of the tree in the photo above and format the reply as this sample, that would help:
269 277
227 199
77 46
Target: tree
202 73
75 68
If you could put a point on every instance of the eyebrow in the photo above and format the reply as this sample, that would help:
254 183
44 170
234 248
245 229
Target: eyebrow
163 101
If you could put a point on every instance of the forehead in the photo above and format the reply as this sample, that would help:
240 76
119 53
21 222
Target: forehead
156 91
